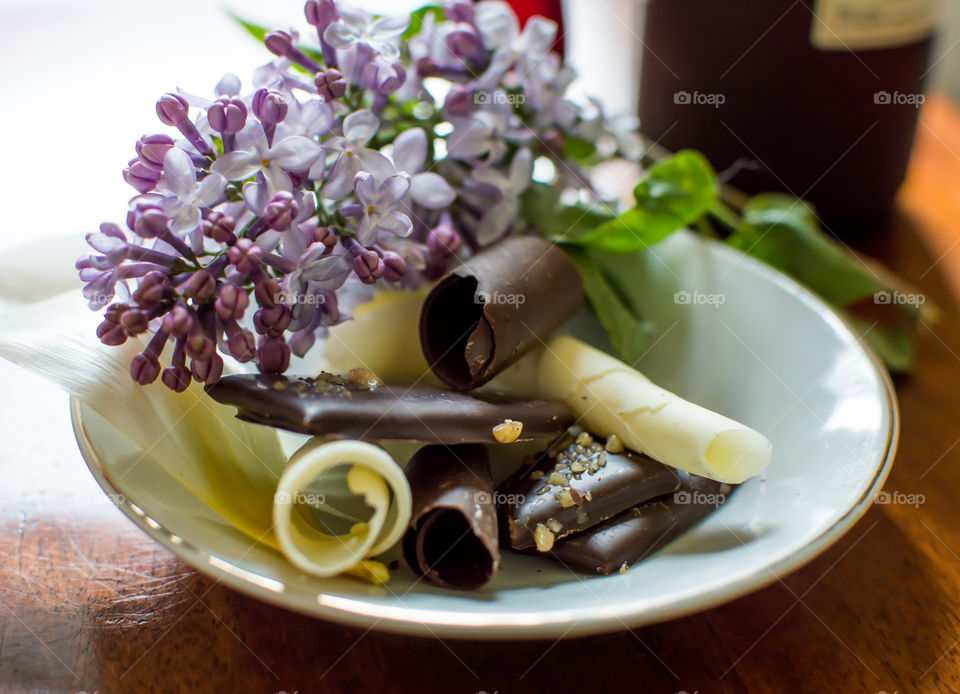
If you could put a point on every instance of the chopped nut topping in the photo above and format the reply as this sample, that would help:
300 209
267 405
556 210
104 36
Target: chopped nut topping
584 439
557 479
542 491
578 467
613 444
543 538
279 385
565 498
508 431
624 567
364 377
554 525
536 475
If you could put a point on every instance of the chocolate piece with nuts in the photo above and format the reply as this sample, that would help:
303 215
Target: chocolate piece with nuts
642 530
452 539
485 314
361 407
575 485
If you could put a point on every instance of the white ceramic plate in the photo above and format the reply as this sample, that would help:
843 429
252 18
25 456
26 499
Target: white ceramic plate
735 336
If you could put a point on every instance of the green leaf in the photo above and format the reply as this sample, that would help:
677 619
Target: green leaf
673 194
783 231
541 207
258 32
578 149
894 344
417 17
630 334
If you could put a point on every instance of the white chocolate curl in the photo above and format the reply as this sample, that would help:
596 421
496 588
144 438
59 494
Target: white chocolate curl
373 481
609 398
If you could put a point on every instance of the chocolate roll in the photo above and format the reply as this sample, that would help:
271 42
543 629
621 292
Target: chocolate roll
485 314
452 539
575 485
642 530
362 408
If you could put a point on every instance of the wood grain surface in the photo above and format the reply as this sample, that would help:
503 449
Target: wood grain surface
88 603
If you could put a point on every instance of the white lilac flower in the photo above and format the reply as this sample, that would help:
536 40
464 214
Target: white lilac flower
427 189
486 132
356 27
254 155
381 202
358 128
512 48
183 199
498 219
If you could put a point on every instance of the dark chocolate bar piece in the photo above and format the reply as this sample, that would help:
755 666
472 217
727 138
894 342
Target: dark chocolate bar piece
642 530
365 410
452 539
573 486
485 314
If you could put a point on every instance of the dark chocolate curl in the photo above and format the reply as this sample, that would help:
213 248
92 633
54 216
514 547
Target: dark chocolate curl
641 531
362 409
485 314
574 487
452 539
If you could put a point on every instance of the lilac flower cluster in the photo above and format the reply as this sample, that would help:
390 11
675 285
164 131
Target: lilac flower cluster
380 157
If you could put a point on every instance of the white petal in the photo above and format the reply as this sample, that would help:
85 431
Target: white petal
497 23
341 35
387 27
521 169
430 190
179 173
211 190
327 273
295 153
256 195
374 162
360 126
396 223
537 37
228 85
237 166
410 150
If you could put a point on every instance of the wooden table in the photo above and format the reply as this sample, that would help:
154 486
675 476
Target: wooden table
89 603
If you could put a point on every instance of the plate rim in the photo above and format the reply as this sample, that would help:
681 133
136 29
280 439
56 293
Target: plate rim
456 624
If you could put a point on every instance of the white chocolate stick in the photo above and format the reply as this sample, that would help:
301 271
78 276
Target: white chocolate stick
373 478
610 398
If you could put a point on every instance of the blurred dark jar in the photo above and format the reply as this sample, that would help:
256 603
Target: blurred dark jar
820 96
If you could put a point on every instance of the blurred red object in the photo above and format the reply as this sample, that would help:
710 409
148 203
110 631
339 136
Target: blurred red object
551 9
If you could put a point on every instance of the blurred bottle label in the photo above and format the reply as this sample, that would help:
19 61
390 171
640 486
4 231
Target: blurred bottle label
866 24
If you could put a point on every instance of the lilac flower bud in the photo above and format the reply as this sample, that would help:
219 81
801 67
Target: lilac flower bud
272 321
385 76
142 177
320 13
232 302
443 241
176 378
153 288
227 115
326 236
111 334
245 256
200 286
465 43
369 266
278 42
147 220
330 84
269 106
207 370
200 347
242 345
459 11
172 109
219 227
458 102
179 322
281 211
266 293
394 266
135 321
144 368
151 149
274 356
114 311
